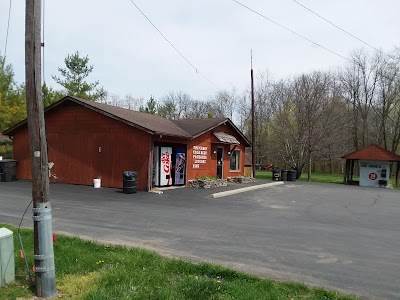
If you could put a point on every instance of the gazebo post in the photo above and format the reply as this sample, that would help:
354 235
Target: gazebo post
351 169
346 172
397 173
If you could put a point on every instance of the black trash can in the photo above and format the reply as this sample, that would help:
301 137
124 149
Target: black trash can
284 175
129 182
8 170
292 175
275 174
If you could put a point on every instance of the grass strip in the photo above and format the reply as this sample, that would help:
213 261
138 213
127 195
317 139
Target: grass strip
87 270
316 177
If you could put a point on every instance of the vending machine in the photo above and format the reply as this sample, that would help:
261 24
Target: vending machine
169 165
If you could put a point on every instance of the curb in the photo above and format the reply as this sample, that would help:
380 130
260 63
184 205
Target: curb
245 189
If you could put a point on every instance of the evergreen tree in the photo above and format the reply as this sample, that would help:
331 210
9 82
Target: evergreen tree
151 106
74 75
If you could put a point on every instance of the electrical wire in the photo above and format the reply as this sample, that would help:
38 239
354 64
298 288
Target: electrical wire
8 28
21 243
23 215
343 30
292 31
172 45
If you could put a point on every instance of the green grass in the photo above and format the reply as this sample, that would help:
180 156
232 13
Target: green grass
86 270
316 177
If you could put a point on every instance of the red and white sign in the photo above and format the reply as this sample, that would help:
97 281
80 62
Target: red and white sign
166 165
372 176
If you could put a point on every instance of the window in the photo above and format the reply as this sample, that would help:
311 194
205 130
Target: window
234 160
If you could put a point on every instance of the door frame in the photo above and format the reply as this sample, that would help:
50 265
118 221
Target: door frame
222 161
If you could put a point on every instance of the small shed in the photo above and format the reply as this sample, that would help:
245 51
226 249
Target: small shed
376 164
247 164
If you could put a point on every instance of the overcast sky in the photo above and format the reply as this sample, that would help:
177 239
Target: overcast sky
130 56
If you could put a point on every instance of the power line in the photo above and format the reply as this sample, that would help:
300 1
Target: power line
292 31
8 27
172 45
340 28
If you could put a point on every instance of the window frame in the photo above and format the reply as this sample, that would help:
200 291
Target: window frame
235 153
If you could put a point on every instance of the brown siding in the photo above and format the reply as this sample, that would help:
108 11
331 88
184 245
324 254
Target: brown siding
74 135
21 153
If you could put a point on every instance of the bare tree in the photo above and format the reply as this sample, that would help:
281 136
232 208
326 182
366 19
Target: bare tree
359 83
387 103
128 101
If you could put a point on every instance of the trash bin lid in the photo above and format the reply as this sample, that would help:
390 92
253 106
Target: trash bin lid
129 174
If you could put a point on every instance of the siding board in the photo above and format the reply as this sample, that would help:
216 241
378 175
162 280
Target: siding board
74 135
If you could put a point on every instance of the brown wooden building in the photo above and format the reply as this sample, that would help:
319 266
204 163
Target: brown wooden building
88 140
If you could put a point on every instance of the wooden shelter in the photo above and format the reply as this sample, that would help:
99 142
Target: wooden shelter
371 153
89 140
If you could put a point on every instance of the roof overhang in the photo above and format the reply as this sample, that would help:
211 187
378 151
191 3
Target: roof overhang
227 120
225 138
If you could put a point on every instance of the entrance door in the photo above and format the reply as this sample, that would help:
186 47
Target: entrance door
220 162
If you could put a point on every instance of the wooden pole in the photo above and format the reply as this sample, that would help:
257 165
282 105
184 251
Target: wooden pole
253 126
43 245
346 172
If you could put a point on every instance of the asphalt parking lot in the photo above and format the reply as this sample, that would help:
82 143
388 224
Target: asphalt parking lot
341 237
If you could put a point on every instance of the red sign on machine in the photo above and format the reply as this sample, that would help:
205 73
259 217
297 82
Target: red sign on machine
372 176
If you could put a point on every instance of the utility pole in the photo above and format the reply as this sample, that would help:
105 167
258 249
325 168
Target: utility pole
43 242
253 126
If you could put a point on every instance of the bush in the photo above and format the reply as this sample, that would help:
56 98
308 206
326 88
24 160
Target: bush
206 177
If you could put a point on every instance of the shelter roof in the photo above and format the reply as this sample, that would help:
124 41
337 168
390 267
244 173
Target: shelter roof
372 152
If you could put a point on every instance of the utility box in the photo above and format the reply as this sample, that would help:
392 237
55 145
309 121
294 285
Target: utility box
7 265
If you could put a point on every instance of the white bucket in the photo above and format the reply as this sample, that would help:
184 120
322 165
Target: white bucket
1 157
97 183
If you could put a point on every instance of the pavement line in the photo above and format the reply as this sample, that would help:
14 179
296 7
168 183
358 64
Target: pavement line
245 189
